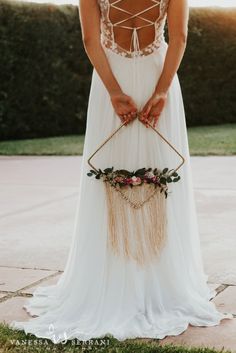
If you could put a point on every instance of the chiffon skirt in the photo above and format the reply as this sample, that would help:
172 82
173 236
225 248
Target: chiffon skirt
100 294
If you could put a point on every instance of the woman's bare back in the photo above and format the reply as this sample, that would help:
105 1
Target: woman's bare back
130 26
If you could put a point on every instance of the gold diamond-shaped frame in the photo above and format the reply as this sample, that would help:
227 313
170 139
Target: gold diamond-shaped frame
155 130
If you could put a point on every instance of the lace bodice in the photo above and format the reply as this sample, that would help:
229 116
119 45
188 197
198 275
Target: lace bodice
117 17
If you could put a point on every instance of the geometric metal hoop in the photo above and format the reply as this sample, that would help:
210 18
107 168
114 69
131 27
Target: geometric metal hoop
155 130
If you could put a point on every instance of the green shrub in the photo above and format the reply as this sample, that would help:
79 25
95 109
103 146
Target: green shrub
208 71
45 74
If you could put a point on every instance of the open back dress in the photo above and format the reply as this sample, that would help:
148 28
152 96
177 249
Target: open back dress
99 293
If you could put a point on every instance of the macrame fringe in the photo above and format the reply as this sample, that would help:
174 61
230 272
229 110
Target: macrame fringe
136 221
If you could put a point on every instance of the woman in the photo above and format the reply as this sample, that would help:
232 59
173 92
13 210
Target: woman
135 83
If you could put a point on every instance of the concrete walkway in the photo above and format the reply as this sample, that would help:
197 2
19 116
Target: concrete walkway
38 198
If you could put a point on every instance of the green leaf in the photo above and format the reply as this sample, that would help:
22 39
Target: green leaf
123 171
169 180
163 180
97 176
165 170
175 174
93 171
108 170
89 174
140 171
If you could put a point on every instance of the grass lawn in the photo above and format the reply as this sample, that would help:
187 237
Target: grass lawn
208 140
213 140
12 341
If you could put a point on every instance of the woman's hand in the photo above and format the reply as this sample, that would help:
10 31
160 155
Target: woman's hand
153 109
124 107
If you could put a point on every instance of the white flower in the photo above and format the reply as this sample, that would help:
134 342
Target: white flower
150 174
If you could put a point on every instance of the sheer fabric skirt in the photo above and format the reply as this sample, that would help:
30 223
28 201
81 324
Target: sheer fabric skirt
100 294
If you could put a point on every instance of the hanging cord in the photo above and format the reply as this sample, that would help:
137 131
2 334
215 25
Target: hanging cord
135 42
134 50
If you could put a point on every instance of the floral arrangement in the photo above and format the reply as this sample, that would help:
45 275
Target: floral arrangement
124 178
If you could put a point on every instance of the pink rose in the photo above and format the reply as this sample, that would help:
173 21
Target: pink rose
136 180
128 181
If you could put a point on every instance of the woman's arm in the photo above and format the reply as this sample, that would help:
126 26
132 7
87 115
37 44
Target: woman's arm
123 104
177 17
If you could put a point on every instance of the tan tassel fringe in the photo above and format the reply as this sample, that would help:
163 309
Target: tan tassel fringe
137 221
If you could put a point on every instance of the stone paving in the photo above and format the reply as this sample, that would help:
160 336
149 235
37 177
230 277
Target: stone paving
37 209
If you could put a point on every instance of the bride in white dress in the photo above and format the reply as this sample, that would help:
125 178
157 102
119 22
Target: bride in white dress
99 293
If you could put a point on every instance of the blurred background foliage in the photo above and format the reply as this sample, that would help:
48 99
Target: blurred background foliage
45 74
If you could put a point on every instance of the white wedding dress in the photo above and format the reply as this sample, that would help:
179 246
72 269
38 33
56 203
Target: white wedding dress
100 294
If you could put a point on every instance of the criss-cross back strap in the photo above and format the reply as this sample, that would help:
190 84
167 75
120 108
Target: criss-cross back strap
120 24
156 3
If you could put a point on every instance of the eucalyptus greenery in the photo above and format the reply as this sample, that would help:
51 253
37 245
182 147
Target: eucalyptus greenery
125 178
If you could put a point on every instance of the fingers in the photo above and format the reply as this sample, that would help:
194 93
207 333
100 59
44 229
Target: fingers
125 108
144 115
155 118
127 118
144 109
128 111
153 115
148 114
147 110
151 119
130 117
145 121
